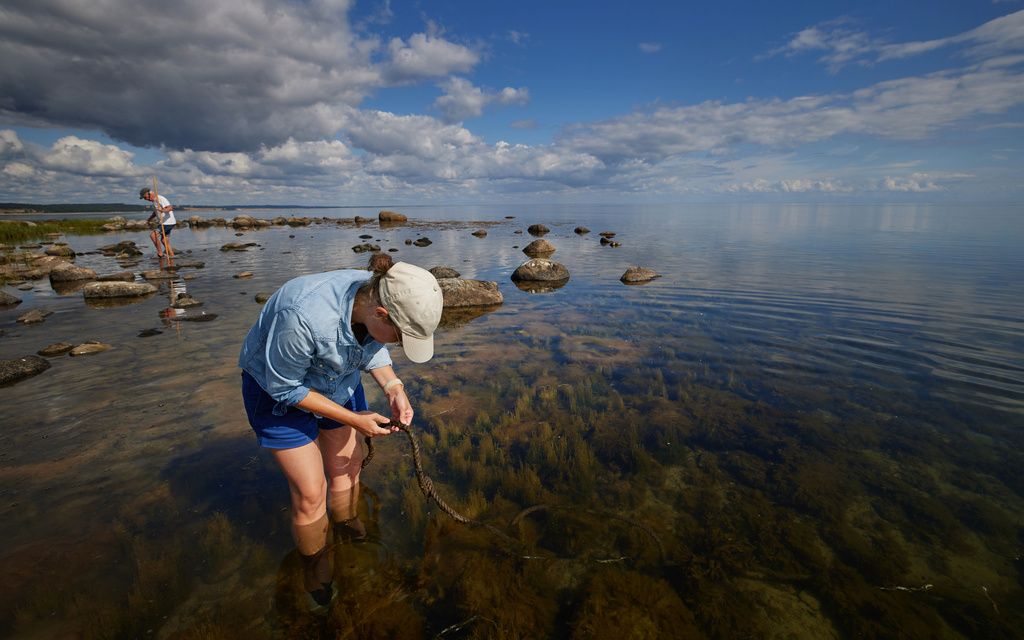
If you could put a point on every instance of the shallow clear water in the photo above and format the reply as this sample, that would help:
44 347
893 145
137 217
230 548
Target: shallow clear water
809 426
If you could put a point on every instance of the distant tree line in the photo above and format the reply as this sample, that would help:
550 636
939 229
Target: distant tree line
112 207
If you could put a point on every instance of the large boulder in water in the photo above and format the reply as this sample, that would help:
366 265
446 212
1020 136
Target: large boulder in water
117 289
67 272
540 270
469 293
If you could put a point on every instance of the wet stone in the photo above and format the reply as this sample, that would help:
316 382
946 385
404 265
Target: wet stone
89 348
117 289
237 246
56 349
36 316
539 248
469 293
186 301
67 272
203 317
7 300
638 274
540 269
444 272
18 369
123 276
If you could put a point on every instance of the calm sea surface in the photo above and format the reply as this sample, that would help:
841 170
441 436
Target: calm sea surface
810 426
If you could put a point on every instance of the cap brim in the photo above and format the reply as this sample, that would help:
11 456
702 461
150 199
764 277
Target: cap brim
418 350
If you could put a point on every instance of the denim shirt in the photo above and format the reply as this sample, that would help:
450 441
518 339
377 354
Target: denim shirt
303 340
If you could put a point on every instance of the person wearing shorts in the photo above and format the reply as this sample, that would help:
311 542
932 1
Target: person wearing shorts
161 237
302 365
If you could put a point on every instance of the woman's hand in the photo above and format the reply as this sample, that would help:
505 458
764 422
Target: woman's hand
370 423
401 409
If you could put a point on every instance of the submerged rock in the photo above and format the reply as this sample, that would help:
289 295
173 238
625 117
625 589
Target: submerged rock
186 301
123 276
537 229
7 300
35 316
636 275
203 317
56 349
18 369
89 348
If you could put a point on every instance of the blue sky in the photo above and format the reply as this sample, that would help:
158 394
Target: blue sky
334 102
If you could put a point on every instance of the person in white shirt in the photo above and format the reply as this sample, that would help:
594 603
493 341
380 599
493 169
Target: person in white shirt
162 206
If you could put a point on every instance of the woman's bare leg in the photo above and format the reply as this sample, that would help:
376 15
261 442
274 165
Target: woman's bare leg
303 468
342 452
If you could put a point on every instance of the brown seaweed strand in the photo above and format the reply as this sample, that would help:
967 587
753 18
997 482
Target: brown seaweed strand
427 485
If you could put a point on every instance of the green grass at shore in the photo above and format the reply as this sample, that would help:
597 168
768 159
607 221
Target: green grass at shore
20 231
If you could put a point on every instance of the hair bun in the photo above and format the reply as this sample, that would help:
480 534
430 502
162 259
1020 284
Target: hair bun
380 263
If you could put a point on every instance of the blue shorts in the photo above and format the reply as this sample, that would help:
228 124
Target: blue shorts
296 427
167 230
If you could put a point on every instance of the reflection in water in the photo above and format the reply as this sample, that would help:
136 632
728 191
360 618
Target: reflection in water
809 427
540 286
68 288
453 318
113 303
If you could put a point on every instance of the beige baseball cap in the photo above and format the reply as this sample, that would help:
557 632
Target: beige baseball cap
414 302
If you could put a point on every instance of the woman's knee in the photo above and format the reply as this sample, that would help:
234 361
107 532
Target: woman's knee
310 502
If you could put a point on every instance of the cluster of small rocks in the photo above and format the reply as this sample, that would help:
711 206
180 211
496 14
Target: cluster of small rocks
98 291
540 269
24 367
